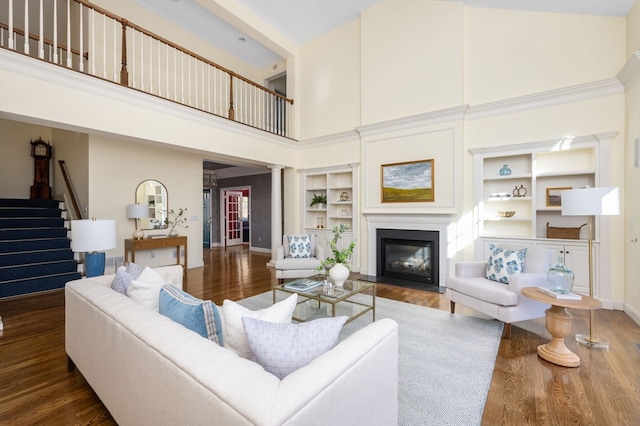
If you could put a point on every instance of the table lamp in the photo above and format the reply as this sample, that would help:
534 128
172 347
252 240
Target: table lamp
137 212
89 236
602 201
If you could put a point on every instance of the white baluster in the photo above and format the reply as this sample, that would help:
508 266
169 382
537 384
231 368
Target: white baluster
167 69
159 72
115 49
141 61
69 57
26 27
133 57
81 40
93 42
104 46
55 32
41 29
10 33
150 64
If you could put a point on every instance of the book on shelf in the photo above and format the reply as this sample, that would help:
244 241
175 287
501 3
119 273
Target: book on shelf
303 284
558 295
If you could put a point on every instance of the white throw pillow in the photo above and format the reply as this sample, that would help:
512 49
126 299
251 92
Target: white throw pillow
283 348
234 336
146 289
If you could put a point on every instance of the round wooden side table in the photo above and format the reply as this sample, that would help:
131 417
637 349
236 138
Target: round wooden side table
558 323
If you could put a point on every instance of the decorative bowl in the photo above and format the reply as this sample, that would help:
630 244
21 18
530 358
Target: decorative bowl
507 213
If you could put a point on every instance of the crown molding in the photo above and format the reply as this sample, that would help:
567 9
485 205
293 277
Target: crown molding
414 121
336 138
546 99
630 73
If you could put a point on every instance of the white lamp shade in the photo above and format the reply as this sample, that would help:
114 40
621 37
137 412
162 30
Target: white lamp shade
603 201
93 235
137 211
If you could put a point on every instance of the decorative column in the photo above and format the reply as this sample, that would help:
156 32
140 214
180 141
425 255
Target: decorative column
276 210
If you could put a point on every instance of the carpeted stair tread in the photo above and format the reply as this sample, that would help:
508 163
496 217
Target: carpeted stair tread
51 222
16 288
28 212
21 272
21 202
31 245
32 233
38 256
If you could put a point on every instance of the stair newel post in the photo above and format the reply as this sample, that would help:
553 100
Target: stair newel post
124 73
231 111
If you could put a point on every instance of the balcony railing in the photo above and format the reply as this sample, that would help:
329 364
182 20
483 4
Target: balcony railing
80 36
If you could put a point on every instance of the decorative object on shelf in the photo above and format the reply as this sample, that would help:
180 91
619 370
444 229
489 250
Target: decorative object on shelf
560 278
320 222
89 236
344 196
505 171
408 182
137 212
499 195
520 192
554 196
509 213
564 233
603 201
339 257
319 200
176 219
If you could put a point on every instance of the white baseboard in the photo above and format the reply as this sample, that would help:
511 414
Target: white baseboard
632 312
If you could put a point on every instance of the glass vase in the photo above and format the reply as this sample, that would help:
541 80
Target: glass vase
560 278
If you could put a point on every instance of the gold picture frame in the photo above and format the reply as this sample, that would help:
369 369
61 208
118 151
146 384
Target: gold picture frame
554 196
408 182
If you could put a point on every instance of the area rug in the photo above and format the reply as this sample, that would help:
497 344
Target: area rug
445 360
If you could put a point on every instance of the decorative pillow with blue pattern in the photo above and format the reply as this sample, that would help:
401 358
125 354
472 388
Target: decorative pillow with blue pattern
503 263
201 316
299 245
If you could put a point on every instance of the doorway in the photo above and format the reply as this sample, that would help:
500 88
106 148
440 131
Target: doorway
235 208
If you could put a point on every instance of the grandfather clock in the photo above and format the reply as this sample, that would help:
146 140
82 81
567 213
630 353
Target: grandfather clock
41 153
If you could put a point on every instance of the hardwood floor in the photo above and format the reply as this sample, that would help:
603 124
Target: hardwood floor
35 387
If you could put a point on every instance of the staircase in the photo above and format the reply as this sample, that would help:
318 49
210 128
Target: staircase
35 253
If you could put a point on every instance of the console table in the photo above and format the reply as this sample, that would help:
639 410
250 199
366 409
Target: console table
131 245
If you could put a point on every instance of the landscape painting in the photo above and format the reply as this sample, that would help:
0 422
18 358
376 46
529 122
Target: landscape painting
408 182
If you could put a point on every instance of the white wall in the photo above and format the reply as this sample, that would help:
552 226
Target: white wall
16 163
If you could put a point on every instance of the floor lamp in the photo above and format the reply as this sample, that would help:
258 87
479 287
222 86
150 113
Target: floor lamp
89 236
603 201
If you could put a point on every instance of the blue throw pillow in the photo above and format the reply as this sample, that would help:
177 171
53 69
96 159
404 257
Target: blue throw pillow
198 315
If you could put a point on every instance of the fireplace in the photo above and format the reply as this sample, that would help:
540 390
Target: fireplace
408 257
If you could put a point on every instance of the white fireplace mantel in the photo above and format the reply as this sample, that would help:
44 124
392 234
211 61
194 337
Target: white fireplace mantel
420 222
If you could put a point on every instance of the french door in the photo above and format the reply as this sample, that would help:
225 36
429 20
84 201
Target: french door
233 222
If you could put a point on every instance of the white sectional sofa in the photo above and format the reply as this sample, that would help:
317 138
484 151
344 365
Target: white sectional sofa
150 370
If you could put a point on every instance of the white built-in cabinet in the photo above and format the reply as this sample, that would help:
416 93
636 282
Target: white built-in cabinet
340 186
538 172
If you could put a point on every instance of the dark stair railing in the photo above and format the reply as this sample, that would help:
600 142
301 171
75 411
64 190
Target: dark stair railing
35 251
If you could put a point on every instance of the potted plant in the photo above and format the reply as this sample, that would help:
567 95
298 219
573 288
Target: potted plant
338 263
319 199
176 219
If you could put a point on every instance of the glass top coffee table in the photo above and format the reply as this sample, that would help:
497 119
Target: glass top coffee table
353 300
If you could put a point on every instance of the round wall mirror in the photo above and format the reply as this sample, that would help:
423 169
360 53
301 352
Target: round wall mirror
153 194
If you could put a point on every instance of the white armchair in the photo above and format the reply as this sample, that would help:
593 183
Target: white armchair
504 302
288 267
